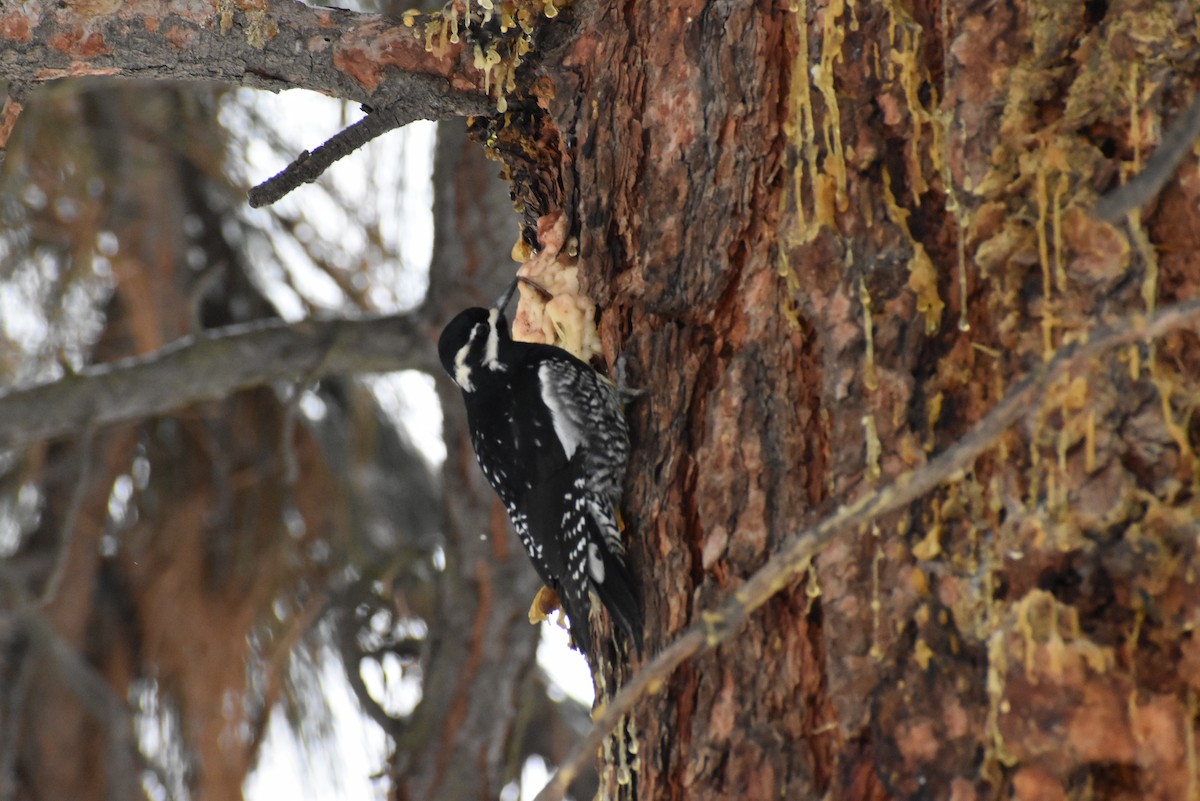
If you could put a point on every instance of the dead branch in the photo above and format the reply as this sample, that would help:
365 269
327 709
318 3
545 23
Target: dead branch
212 366
308 167
719 625
276 45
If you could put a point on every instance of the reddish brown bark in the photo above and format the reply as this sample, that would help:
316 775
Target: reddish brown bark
362 57
829 238
676 185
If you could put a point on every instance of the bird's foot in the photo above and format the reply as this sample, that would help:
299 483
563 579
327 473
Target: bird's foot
544 603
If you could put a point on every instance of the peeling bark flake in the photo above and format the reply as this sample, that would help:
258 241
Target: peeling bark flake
17 27
79 44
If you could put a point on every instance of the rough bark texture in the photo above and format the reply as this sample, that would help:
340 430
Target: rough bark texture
828 237
273 46
677 183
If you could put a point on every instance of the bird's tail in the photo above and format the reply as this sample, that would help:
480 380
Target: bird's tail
604 571
621 596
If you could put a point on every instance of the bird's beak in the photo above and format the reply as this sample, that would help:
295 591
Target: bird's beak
503 300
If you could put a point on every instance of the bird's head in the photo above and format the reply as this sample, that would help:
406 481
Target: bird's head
472 341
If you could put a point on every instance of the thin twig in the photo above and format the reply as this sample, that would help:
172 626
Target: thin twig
1159 168
275 662
717 626
70 519
308 167
291 464
346 641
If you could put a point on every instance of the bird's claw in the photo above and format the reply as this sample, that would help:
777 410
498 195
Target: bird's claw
544 603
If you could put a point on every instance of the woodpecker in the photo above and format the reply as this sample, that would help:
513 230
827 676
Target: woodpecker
551 439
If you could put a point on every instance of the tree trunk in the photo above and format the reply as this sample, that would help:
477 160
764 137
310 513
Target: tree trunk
829 237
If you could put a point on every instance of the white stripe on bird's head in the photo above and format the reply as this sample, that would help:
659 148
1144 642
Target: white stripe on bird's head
491 356
462 370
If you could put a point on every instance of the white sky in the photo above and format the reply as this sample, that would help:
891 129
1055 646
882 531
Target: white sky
357 750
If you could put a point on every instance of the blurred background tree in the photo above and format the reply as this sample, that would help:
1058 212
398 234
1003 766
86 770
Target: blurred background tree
202 568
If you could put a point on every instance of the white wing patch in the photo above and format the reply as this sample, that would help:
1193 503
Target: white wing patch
565 428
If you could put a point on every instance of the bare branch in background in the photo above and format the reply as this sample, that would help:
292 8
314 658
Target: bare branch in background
97 697
720 624
275 46
67 533
1159 168
308 167
212 366
16 694
29 638
346 641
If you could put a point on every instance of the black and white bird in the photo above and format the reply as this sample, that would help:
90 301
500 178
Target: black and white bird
551 439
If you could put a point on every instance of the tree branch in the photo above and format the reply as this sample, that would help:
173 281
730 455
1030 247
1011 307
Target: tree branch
1159 168
68 528
282 45
212 366
346 641
16 696
96 696
719 625
308 167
